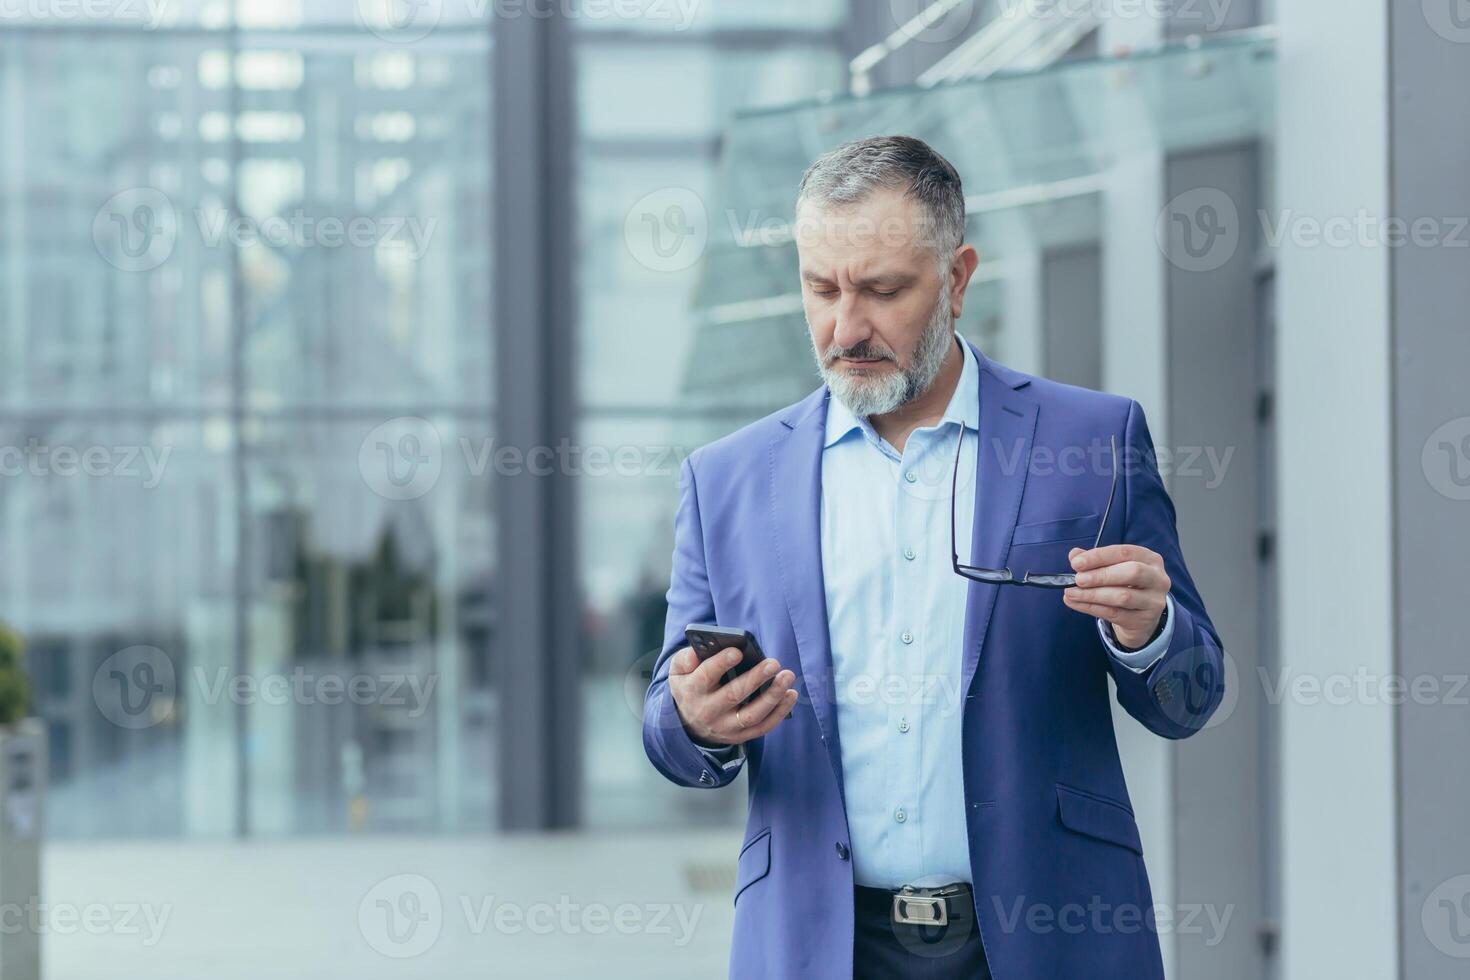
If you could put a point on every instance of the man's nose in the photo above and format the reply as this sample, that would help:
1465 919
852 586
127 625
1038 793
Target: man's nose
852 327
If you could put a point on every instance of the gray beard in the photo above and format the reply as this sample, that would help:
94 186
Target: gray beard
880 395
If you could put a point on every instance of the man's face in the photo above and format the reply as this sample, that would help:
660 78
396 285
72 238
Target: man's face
880 314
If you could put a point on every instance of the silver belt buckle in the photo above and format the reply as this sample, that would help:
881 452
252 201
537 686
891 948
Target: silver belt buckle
919 910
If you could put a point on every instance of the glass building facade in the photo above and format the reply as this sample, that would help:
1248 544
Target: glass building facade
247 254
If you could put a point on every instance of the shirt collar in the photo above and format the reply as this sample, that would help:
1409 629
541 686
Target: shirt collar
963 408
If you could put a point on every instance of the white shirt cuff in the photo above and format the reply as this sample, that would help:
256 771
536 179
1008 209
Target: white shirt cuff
723 757
1140 660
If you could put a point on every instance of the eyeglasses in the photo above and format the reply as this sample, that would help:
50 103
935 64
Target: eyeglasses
1003 576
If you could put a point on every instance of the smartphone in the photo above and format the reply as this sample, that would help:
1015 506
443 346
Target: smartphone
708 640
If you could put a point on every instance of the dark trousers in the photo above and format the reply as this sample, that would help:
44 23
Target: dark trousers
883 949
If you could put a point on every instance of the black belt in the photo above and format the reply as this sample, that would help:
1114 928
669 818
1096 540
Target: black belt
917 906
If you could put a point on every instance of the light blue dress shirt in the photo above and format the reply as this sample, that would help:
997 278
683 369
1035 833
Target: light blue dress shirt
896 618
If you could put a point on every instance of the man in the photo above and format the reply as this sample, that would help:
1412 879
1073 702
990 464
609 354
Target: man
935 788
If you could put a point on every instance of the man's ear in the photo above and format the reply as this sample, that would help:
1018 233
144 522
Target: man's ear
961 270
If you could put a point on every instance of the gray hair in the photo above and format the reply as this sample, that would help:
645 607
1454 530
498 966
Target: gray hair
850 173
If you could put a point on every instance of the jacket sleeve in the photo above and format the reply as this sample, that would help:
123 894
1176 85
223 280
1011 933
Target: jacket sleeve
1176 695
665 739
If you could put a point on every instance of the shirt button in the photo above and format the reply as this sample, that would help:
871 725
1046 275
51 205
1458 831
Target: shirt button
909 554
907 637
903 725
911 476
899 815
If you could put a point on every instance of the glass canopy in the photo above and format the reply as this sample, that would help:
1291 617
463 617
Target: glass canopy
1036 151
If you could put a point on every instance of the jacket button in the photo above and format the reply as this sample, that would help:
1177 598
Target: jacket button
842 850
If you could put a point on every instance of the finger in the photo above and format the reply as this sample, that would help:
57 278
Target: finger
773 718
1092 609
709 673
769 700
683 662
746 684
1114 597
1112 554
1134 574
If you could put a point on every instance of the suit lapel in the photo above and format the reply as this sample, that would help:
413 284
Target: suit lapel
796 503
1007 425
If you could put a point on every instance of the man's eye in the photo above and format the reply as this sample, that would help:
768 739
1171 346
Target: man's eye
879 292
824 292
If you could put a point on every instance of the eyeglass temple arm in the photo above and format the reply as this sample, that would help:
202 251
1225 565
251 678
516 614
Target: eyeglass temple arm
954 482
1112 491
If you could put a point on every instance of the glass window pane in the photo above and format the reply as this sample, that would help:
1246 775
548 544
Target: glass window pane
371 575
364 227
118 573
106 299
647 168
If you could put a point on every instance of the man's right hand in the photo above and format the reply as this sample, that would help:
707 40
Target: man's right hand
713 713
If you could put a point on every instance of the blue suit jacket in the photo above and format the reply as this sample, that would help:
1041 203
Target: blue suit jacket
1057 865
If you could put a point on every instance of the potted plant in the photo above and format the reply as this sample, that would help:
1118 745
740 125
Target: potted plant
22 779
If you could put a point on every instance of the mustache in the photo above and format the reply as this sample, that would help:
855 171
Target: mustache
863 351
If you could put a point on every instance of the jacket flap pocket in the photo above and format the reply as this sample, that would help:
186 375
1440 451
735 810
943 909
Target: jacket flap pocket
1067 528
754 863
1096 817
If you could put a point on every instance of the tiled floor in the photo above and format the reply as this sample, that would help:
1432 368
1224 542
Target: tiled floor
574 905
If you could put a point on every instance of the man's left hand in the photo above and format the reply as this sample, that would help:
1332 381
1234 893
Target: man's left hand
1123 584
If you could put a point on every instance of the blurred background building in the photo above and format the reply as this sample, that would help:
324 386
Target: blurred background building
348 352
